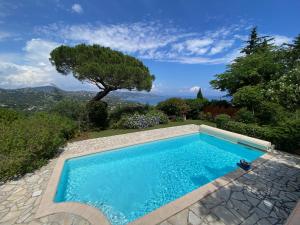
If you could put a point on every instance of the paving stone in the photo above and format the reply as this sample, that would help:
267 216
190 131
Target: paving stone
7 187
266 206
213 220
32 179
272 220
238 196
199 209
263 222
211 201
165 223
2 208
180 218
252 200
241 208
193 219
251 220
12 215
237 214
35 223
23 218
226 215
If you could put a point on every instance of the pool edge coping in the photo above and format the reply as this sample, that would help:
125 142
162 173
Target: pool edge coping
95 216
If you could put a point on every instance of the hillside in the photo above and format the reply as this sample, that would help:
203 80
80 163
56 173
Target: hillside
42 98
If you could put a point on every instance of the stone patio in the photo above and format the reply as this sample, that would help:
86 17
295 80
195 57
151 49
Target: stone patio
264 196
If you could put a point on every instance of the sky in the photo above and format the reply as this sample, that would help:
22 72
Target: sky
184 43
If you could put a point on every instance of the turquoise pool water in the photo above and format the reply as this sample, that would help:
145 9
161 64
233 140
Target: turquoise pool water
130 182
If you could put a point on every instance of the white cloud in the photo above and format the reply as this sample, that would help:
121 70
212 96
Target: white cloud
77 8
194 89
125 37
34 69
151 40
241 37
37 51
220 46
280 39
194 46
190 90
15 75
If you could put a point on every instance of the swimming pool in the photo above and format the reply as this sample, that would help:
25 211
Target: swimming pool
130 182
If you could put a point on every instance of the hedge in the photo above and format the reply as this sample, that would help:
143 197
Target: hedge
285 136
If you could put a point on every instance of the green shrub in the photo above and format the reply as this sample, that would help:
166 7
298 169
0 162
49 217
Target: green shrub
173 107
222 119
63 125
195 107
285 136
270 113
28 143
74 110
9 115
97 113
245 116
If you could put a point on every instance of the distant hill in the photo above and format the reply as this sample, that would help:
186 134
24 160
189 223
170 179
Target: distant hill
42 98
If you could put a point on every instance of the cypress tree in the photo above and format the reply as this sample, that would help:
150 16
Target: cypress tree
199 94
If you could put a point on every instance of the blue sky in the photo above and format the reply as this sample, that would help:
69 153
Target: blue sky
183 42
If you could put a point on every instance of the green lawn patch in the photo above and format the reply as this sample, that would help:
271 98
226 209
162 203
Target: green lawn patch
111 132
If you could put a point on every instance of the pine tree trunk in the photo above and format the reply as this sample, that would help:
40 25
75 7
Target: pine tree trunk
101 95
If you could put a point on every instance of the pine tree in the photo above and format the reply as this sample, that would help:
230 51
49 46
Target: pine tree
257 43
252 43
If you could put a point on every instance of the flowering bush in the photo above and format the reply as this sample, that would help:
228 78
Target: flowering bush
140 121
163 118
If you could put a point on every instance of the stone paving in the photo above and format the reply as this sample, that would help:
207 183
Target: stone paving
20 199
264 196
